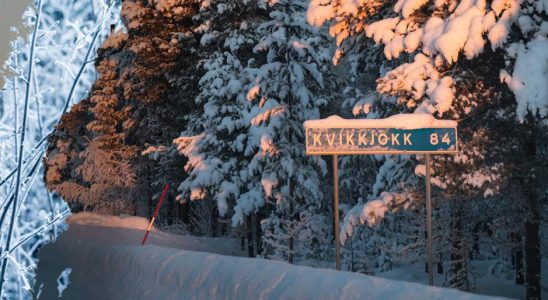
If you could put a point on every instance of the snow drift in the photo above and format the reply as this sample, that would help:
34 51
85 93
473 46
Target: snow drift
88 218
108 263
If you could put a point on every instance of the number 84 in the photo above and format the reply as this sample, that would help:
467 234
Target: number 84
434 140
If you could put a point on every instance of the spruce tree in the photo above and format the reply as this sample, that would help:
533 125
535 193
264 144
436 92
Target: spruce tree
217 144
443 58
289 88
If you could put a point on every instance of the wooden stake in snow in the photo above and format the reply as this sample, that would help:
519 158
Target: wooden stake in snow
164 192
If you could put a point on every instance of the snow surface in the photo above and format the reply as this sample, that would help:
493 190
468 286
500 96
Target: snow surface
63 281
88 218
109 263
401 121
103 258
487 284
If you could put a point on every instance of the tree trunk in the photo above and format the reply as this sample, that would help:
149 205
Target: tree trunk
425 254
532 218
171 209
517 257
532 249
440 267
249 232
213 218
352 255
258 233
291 240
242 242
476 237
183 211
458 274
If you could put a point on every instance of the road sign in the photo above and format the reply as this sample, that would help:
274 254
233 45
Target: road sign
339 136
399 134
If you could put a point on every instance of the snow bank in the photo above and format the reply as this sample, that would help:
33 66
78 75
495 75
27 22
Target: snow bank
400 121
92 219
104 266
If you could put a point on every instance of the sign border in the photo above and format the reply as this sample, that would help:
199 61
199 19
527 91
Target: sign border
373 152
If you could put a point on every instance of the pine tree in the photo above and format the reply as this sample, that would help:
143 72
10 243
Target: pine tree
442 58
288 90
217 146
527 55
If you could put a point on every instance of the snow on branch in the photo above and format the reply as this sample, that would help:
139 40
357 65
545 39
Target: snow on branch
436 33
185 144
401 121
528 81
452 27
154 151
373 211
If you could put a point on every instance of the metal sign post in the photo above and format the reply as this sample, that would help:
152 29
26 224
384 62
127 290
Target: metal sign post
429 221
399 134
336 209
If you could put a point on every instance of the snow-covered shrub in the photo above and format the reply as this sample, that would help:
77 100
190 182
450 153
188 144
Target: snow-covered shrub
115 145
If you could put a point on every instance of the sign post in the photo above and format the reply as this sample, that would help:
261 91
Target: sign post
336 209
399 134
429 222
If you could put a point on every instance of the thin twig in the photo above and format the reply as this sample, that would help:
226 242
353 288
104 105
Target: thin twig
82 67
21 146
35 232
10 195
37 99
29 158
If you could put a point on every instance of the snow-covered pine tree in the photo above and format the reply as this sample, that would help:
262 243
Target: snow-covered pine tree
453 53
217 143
526 75
289 89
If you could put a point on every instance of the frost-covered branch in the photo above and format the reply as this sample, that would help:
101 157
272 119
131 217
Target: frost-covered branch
59 218
21 145
64 37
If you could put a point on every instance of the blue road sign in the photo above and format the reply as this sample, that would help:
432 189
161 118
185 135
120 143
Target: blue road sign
323 141
398 134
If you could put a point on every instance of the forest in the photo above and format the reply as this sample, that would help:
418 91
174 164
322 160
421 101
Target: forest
107 102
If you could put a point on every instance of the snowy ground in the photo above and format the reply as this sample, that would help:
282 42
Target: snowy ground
109 263
483 282
483 285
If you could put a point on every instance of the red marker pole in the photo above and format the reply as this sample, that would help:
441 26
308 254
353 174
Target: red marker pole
164 192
